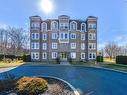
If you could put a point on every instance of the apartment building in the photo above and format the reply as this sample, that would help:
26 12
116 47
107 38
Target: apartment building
63 38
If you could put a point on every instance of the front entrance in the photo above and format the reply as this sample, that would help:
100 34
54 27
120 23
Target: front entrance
63 56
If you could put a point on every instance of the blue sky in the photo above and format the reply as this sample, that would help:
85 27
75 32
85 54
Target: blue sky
112 15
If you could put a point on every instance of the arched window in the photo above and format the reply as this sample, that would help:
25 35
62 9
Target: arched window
44 27
54 25
73 25
83 27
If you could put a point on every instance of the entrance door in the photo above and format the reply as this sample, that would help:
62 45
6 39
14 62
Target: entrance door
63 56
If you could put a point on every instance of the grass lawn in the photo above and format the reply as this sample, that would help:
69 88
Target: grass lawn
115 66
9 64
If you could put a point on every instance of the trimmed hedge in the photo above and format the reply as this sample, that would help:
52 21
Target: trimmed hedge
99 58
121 60
26 58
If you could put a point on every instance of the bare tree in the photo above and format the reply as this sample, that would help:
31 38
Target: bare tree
14 41
19 39
112 49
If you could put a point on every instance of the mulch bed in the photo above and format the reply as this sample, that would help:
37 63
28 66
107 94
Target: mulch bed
55 87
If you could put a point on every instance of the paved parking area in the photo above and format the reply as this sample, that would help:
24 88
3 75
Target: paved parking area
88 80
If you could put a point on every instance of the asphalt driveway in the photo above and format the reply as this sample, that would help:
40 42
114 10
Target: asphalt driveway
88 80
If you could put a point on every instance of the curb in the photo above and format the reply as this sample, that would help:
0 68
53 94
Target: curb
74 90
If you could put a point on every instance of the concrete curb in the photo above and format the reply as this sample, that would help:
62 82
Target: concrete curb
74 90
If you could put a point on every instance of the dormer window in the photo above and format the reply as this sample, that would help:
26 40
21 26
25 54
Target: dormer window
73 25
83 27
44 27
54 25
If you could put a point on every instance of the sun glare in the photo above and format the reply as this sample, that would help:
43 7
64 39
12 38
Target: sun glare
46 6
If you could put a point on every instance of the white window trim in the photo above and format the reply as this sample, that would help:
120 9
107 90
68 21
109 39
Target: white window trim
92 55
34 53
72 23
45 46
42 27
73 55
83 35
53 35
43 55
35 45
72 46
92 36
43 37
82 46
81 27
34 36
73 34
52 24
64 24
63 36
84 56
56 45
93 46
54 57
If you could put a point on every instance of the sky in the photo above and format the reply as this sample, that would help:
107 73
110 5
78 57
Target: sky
112 15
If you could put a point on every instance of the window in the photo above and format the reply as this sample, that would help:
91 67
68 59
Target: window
73 55
82 55
54 35
44 36
44 27
54 45
44 55
73 35
35 55
35 45
92 36
73 45
82 36
35 36
44 46
64 35
54 25
54 55
73 25
83 27
92 26
92 45
92 55
82 46
64 26
35 25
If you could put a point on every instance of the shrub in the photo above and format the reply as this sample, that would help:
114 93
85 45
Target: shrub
10 56
1 57
69 59
58 60
99 59
26 58
31 85
121 59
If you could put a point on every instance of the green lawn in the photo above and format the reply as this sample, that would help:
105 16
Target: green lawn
115 66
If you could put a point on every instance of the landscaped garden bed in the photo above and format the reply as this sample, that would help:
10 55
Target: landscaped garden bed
35 86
